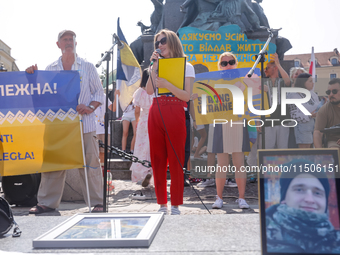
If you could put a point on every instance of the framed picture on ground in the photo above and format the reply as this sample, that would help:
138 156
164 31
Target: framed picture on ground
102 230
299 201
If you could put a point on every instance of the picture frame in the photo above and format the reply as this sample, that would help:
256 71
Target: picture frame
102 230
299 201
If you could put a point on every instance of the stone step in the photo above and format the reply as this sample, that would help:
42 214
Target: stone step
119 168
118 164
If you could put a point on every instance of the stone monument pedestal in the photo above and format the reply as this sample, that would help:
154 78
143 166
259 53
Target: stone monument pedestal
148 49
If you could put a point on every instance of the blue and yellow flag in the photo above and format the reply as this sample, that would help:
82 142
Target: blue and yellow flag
39 126
129 72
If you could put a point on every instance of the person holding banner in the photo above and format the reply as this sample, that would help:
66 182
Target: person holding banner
232 140
166 124
276 136
91 96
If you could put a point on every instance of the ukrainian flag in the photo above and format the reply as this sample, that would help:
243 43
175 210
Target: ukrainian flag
129 72
40 130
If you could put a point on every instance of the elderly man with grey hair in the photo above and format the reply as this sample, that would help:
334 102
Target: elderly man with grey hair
91 96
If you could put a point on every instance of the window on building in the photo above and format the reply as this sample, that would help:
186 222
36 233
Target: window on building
334 61
333 75
297 63
316 62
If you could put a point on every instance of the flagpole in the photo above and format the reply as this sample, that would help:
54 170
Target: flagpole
106 57
81 129
312 67
261 58
117 98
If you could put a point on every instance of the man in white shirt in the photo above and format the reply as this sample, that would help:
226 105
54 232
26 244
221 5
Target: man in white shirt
91 96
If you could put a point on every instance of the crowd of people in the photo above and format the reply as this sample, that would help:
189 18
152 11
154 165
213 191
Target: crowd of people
161 123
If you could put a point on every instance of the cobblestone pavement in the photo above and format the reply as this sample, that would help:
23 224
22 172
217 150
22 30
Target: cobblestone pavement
123 201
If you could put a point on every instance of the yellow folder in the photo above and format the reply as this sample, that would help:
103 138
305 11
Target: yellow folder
173 70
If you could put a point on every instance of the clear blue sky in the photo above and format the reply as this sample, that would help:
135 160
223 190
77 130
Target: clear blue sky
30 28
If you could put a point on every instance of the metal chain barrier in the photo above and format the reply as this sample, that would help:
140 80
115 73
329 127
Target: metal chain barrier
132 158
125 155
145 163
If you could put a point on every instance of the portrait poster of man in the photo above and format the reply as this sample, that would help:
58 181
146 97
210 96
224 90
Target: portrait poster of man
299 205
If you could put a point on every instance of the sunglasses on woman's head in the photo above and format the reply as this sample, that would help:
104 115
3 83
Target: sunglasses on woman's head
161 41
334 91
230 62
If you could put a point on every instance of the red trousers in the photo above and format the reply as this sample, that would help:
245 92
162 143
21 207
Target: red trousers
161 151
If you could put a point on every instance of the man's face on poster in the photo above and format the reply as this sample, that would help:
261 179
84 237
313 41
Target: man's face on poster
306 192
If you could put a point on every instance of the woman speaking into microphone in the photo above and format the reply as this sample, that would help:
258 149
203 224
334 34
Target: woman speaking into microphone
166 123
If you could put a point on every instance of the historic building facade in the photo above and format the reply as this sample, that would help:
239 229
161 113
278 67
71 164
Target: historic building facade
327 67
6 59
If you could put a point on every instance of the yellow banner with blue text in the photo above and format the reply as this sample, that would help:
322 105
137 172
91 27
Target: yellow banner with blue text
40 130
228 96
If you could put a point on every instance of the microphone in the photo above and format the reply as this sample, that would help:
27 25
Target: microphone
154 60
273 30
117 40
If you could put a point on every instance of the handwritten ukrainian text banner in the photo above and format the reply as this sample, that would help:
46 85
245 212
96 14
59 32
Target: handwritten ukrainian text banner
204 47
216 102
39 126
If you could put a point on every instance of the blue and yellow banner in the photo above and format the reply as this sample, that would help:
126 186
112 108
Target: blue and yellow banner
223 96
39 126
204 47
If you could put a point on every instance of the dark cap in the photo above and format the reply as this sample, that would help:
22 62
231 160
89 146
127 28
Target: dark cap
62 33
287 177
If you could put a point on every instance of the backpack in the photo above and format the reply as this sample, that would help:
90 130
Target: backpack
21 190
7 220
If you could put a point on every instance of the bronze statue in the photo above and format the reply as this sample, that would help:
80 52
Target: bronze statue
190 8
259 13
138 49
230 12
143 28
257 8
155 18
212 14
203 9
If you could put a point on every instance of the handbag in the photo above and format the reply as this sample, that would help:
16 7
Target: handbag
6 219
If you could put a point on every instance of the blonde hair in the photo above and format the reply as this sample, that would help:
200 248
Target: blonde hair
173 42
293 71
226 54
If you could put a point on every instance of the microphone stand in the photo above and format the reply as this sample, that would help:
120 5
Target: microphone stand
261 59
106 57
